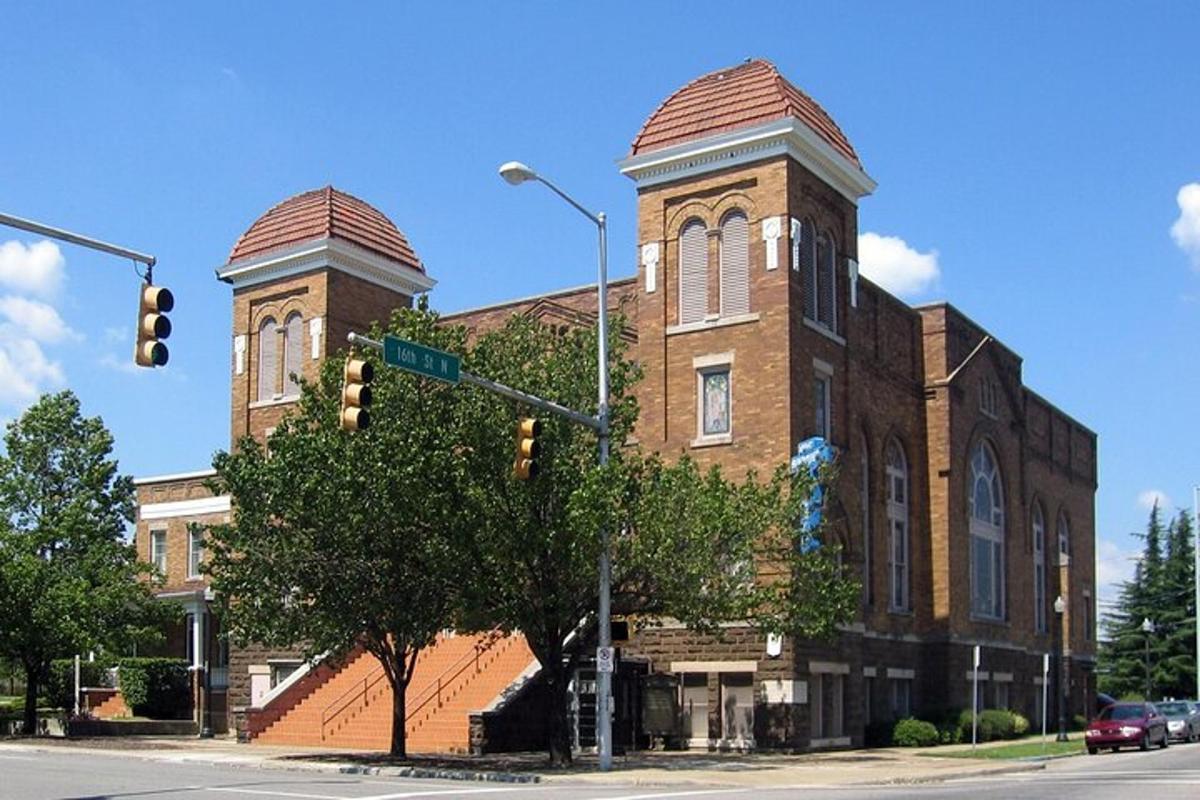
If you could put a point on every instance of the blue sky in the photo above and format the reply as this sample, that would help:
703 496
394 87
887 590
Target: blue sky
1032 154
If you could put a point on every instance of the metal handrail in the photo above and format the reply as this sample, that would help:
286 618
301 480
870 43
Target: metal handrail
334 709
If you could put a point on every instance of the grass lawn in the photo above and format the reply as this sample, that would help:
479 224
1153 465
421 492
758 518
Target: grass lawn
1027 749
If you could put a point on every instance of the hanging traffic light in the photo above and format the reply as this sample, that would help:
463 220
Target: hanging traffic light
356 394
528 448
153 326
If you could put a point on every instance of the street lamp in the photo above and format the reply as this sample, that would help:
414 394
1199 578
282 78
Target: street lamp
515 173
1147 629
1060 606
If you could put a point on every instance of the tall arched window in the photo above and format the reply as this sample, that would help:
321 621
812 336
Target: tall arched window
864 501
735 264
897 513
693 272
293 341
808 267
826 282
1039 568
1064 535
268 373
986 501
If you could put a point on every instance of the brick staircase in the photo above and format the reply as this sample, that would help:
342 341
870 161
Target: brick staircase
352 707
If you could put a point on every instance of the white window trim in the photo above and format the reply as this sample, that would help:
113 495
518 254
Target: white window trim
899 512
826 332
193 564
156 552
712 321
703 365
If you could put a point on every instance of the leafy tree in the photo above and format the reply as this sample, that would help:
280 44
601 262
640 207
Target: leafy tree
687 544
340 539
68 578
1161 590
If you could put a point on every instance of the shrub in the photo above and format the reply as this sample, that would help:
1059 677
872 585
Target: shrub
158 688
60 682
1001 722
1020 724
914 733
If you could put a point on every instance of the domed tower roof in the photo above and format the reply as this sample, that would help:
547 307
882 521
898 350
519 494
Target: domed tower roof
742 96
322 214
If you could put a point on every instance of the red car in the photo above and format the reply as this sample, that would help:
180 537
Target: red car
1125 724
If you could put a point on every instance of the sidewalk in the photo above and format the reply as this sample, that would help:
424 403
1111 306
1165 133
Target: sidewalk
842 768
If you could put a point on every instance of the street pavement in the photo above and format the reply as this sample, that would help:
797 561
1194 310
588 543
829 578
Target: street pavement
30 772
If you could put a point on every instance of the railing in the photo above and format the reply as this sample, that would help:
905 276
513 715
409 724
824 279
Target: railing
361 689
350 696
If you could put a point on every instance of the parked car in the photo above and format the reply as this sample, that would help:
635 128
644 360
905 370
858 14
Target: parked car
1125 725
1183 723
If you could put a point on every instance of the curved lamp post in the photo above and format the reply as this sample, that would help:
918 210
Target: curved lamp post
516 173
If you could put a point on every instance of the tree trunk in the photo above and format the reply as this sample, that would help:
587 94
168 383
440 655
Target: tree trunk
29 726
560 723
399 713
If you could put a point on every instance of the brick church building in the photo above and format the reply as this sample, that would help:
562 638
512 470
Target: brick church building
965 501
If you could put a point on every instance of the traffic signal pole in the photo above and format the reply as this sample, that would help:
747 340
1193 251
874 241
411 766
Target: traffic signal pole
75 238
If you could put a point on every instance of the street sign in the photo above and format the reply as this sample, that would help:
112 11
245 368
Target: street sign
604 659
420 359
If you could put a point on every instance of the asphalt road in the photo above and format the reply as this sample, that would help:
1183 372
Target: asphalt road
35 775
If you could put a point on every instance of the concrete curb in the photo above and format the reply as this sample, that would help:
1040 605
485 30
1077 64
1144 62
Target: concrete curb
442 774
977 772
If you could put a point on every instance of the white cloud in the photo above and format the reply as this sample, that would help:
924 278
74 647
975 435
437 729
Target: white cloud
891 263
1186 230
36 268
1148 498
1114 566
25 371
36 319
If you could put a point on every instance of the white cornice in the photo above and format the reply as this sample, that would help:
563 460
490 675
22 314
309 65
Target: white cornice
779 137
329 252
185 508
177 476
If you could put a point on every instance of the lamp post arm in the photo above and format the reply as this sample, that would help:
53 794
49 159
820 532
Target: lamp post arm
75 238
597 220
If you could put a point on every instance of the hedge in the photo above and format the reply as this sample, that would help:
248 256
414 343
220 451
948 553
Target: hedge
159 688
60 683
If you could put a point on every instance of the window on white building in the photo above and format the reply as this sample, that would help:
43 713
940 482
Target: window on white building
158 550
898 539
693 272
1039 569
735 264
986 503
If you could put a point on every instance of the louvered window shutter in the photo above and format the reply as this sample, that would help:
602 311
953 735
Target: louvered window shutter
735 265
808 269
826 281
293 339
267 372
693 273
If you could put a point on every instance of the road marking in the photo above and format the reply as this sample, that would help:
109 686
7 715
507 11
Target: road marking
695 793
278 793
16 758
434 793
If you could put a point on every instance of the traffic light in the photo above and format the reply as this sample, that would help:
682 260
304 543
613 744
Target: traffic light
528 448
356 394
153 326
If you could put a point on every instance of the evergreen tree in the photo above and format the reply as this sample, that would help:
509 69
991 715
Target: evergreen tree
1175 667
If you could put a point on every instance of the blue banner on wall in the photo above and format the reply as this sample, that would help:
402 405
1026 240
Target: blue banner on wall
811 455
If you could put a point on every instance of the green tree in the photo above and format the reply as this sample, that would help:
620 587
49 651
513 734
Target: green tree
688 544
340 539
1175 656
68 578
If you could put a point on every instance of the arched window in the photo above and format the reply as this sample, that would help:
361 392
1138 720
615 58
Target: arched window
897 513
808 267
735 264
864 501
293 342
268 372
693 272
826 282
1064 535
986 501
1038 525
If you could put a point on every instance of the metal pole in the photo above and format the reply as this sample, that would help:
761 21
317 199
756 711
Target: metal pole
1045 698
75 238
1062 672
1147 658
604 679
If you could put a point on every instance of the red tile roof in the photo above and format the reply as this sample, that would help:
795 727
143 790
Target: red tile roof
748 94
320 214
